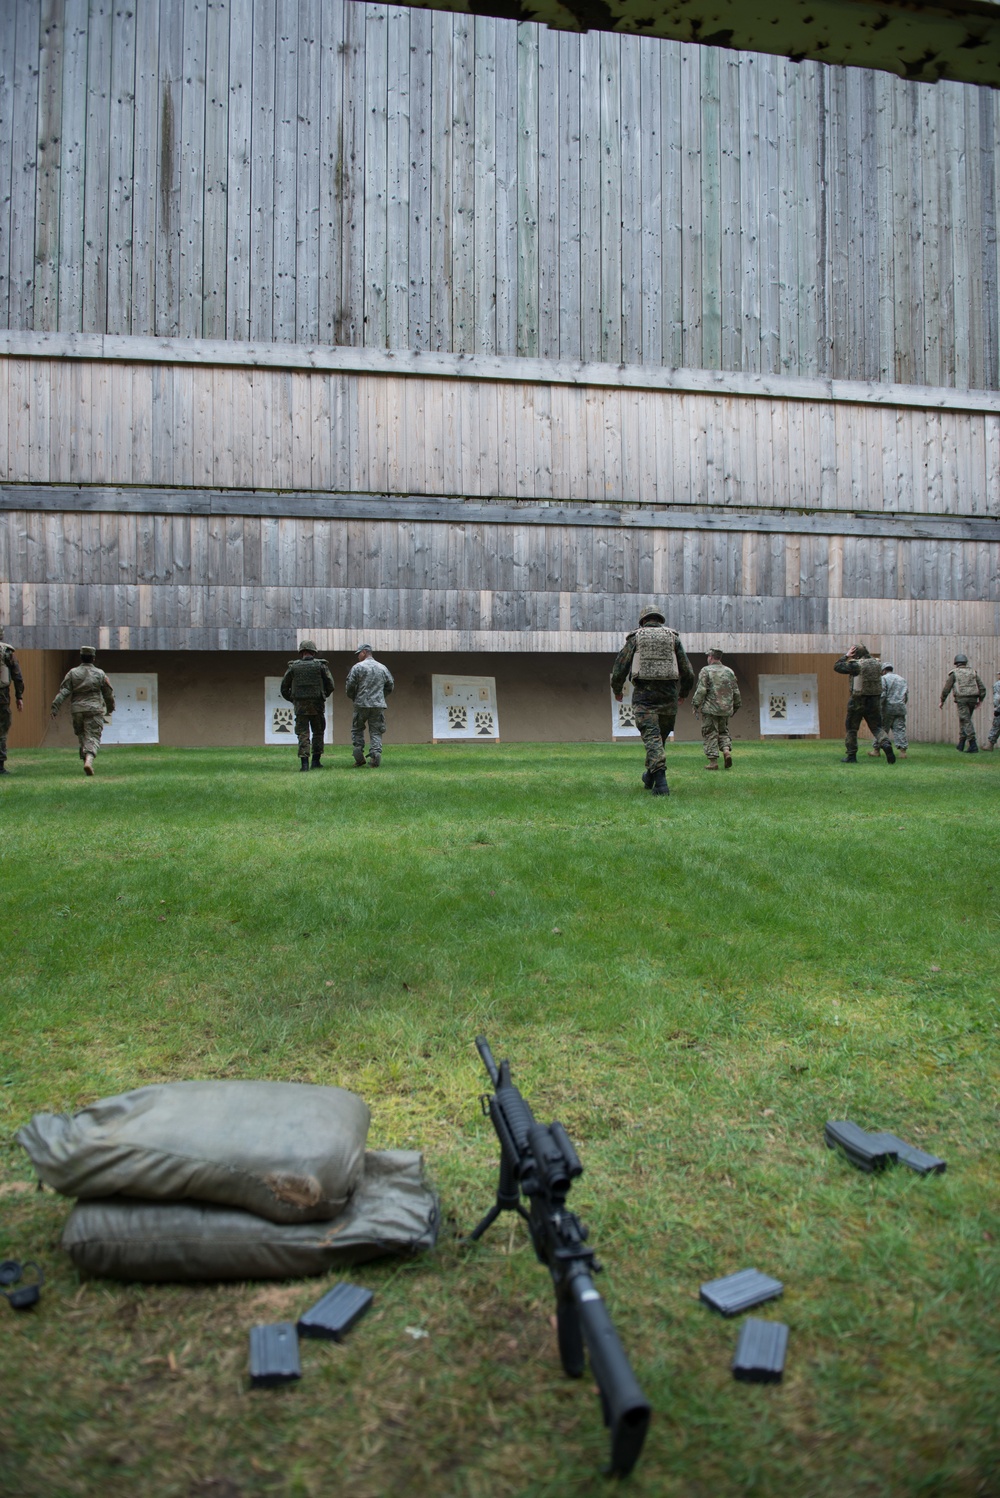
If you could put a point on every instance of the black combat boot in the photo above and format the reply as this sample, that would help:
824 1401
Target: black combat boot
890 752
973 747
359 759
851 758
660 786
304 761
961 744
648 776
317 763
374 760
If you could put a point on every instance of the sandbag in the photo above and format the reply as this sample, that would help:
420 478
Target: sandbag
392 1211
286 1151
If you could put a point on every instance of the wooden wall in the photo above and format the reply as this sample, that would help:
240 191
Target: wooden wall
342 173
42 675
189 425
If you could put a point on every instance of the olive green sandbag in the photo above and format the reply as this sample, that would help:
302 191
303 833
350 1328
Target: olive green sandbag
392 1211
287 1151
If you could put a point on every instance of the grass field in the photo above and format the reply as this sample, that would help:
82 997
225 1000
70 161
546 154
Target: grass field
693 986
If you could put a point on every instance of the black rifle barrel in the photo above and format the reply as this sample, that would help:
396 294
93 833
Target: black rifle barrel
628 1411
482 1046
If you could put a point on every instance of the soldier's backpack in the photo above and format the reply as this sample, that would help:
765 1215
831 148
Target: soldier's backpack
868 681
966 682
655 656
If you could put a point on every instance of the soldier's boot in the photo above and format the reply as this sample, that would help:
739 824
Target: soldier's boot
850 758
88 764
648 776
660 786
4 770
359 759
303 761
973 746
890 752
874 753
727 759
317 762
900 753
374 760
961 744
713 764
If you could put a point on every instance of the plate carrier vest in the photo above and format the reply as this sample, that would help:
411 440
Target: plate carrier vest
868 682
966 684
655 656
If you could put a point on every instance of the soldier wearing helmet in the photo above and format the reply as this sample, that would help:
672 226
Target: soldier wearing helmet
92 701
10 671
969 692
865 702
306 685
661 674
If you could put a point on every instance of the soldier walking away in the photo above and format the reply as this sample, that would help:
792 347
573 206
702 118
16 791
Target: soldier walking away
895 695
92 701
717 695
995 730
10 672
969 693
661 674
306 685
864 702
369 683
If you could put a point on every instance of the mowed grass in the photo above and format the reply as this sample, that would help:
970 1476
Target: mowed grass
693 986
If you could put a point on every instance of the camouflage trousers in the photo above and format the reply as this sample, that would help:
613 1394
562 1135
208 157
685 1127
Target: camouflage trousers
870 709
966 707
88 727
655 710
309 719
994 731
894 722
5 721
715 732
375 719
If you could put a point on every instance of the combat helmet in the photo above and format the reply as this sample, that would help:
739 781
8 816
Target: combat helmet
861 652
651 612
309 645
961 660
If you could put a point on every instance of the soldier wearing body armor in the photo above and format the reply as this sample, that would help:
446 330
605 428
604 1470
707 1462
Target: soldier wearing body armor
969 693
865 702
895 695
10 672
717 696
661 674
92 700
369 683
306 685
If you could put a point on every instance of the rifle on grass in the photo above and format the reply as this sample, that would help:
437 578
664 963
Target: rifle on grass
540 1163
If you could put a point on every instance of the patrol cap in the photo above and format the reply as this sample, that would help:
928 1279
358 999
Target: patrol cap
364 647
961 660
887 667
89 651
652 612
307 645
715 650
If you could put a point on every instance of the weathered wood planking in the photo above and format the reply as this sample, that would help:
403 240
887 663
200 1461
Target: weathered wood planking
108 422
349 173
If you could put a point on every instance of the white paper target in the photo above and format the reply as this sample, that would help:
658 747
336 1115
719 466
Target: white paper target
136 718
279 715
464 707
622 718
789 704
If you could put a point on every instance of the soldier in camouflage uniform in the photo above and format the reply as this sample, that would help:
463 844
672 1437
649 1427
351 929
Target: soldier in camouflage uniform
717 695
10 671
91 701
995 730
369 683
654 658
864 702
969 693
306 685
895 695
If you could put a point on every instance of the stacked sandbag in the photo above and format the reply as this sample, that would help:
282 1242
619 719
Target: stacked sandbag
229 1180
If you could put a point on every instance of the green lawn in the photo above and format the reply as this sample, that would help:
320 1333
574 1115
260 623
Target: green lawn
693 986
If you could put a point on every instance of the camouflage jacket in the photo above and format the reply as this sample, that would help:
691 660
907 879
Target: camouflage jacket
968 688
89 689
369 683
10 671
996 696
869 664
307 681
623 665
895 692
717 691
